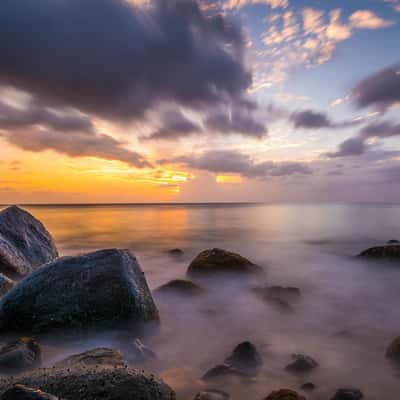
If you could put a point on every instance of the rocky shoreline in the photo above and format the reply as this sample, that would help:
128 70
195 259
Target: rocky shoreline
43 295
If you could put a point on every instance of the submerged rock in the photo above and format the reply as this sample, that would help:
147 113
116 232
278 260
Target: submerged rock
104 289
281 297
175 252
307 386
24 242
245 358
348 394
284 394
221 261
180 287
100 356
385 252
393 351
222 371
301 363
212 395
5 284
79 383
21 392
19 355
393 241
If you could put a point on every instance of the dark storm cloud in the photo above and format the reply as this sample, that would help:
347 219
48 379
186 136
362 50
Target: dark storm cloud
174 125
108 58
311 119
234 162
380 90
350 147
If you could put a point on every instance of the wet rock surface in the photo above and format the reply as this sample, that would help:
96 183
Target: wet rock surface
245 358
217 261
100 356
212 395
21 392
24 242
301 363
179 287
19 355
104 383
6 284
104 289
284 394
348 394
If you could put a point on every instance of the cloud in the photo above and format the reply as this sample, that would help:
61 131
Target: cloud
366 19
395 4
380 90
315 120
234 162
230 4
350 147
126 60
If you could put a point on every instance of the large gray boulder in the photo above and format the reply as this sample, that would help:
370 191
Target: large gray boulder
24 242
104 289
80 383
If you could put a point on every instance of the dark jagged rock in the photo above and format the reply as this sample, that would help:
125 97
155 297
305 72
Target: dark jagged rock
19 355
6 284
21 392
99 356
385 252
141 353
24 242
284 394
393 351
301 363
307 386
245 358
221 371
79 383
180 287
212 395
104 289
348 394
221 261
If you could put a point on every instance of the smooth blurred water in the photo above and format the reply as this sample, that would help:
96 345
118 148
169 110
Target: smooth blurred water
309 246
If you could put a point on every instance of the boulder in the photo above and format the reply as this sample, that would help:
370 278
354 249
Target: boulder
301 363
5 284
385 252
284 394
348 394
393 241
21 392
19 355
212 395
175 252
80 383
180 287
245 358
100 356
24 242
393 351
308 386
104 289
221 371
281 297
221 261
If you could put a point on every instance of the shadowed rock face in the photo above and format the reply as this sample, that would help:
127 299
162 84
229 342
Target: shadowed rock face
386 252
393 351
93 384
284 394
104 289
5 284
221 261
21 392
24 242
348 394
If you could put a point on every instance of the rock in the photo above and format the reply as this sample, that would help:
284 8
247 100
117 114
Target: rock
385 252
24 242
282 297
21 392
301 363
19 355
307 386
393 351
180 287
104 289
221 371
79 383
5 284
221 261
175 252
95 357
141 353
212 395
393 241
284 394
348 394
245 358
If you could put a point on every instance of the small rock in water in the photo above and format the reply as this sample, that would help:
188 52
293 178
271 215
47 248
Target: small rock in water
245 358
6 284
284 394
282 297
141 353
307 386
386 252
19 355
217 261
180 287
348 394
175 252
24 242
222 371
301 363
393 241
393 351
99 356
212 395
21 392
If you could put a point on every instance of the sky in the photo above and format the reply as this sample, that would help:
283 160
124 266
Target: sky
123 101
